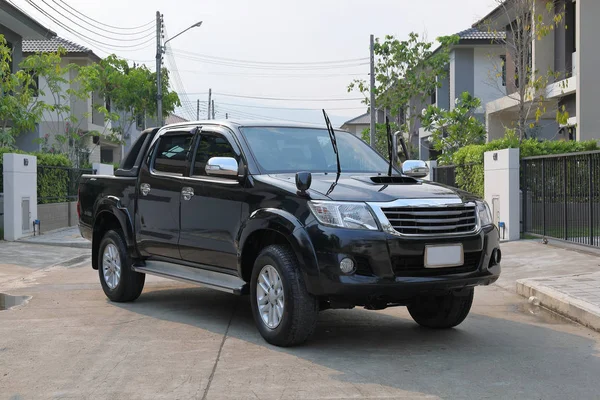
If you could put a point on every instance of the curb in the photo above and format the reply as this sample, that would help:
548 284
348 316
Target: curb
577 310
77 245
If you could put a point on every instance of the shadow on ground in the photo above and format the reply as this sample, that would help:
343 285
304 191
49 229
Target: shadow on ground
484 358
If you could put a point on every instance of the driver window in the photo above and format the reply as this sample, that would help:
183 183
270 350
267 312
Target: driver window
210 146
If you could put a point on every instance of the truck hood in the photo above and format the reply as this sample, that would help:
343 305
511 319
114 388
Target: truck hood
378 188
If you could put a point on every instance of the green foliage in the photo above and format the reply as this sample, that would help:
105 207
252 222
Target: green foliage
19 110
405 70
454 129
50 182
469 159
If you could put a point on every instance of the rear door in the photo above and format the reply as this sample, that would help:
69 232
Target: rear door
211 213
159 194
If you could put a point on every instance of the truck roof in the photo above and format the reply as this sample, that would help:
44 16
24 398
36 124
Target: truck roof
241 123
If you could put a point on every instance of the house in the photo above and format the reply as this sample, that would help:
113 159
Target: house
16 26
358 124
571 51
471 69
133 130
92 124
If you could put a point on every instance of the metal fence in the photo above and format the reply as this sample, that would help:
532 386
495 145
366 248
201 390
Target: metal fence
58 184
561 197
445 174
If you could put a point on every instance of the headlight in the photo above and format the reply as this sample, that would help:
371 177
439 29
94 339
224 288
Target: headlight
343 215
484 213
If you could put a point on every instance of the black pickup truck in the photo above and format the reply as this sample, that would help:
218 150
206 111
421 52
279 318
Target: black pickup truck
268 210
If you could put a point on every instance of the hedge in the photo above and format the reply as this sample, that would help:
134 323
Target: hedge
469 159
50 183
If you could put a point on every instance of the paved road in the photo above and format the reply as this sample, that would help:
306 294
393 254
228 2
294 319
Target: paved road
184 342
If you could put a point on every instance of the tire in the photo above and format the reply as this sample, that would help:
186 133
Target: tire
129 284
298 316
442 312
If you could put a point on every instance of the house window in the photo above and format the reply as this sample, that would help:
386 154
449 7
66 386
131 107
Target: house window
139 122
503 60
106 156
433 96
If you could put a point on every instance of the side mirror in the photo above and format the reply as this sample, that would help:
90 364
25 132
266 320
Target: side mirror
415 168
303 181
226 167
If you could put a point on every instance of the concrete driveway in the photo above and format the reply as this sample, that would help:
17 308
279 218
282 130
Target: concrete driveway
185 342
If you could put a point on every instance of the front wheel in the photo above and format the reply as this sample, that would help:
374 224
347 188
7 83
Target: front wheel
442 312
284 312
119 281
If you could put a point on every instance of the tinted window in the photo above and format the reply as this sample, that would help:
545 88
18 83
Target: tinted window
280 150
171 153
211 146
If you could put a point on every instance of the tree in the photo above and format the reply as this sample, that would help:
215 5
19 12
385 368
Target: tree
405 71
132 90
19 110
454 129
381 137
524 22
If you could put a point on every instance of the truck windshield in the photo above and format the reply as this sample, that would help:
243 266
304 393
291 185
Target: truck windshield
284 150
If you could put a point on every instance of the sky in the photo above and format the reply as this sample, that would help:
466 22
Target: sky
302 53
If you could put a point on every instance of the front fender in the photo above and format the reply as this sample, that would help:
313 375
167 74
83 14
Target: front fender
287 225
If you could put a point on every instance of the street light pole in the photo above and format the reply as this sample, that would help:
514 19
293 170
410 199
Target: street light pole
160 50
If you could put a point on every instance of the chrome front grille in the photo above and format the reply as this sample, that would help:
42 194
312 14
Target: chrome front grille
434 220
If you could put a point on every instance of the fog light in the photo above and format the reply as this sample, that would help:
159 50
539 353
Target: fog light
347 266
497 256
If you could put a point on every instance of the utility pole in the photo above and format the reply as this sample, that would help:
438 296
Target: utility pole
372 87
213 109
209 96
198 110
159 52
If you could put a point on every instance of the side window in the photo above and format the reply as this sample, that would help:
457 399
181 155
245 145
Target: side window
171 153
211 146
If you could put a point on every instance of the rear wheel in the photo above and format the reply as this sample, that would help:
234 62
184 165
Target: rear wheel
442 312
284 312
119 281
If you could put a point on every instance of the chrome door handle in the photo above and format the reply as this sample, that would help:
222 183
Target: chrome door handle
145 188
187 193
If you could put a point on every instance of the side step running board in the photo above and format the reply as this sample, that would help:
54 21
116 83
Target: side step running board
211 279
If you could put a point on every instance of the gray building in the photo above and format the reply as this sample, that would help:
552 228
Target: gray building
572 51
473 61
16 25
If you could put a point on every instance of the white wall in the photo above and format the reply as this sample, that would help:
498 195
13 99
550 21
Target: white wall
487 86
452 74
20 182
502 190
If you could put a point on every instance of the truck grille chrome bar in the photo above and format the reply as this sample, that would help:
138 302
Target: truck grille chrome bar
415 218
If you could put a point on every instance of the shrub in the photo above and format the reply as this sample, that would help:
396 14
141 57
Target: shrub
51 182
469 159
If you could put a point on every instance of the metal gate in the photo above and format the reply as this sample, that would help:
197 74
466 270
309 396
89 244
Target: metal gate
560 195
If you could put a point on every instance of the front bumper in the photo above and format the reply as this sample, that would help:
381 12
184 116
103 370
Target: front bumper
390 267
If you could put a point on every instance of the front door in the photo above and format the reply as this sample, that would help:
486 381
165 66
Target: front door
211 210
159 193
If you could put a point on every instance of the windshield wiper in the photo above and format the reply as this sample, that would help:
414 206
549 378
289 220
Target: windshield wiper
333 142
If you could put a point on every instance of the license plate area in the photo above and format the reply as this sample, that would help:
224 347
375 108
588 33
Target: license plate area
444 256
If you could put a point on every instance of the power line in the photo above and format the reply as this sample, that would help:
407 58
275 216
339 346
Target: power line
276 98
107 25
257 116
250 75
291 108
270 67
66 7
179 83
150 35
346 61
80 35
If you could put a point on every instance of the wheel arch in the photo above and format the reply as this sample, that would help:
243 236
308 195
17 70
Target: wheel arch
110 217
273 226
